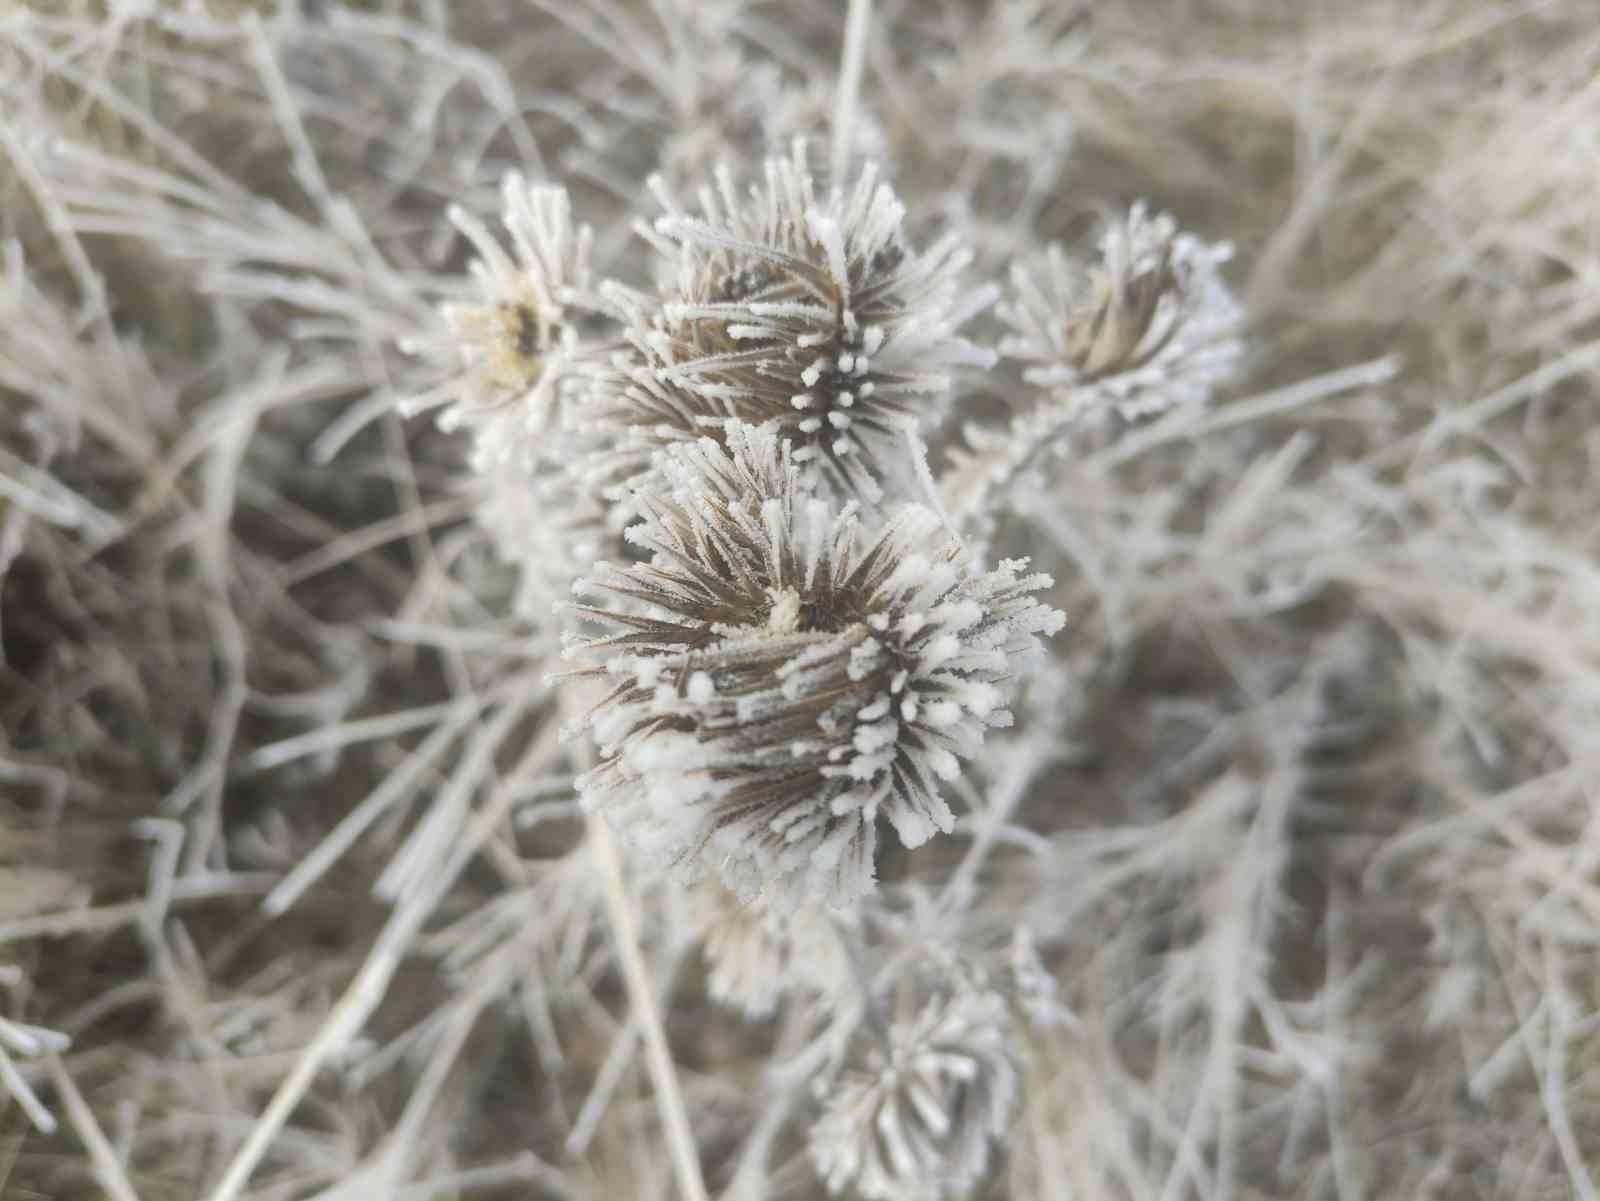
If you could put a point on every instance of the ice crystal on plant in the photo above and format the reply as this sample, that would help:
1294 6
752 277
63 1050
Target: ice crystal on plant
811 310
782 677
1147 327
914 1120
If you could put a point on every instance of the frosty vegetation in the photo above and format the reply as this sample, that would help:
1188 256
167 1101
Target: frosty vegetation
887 600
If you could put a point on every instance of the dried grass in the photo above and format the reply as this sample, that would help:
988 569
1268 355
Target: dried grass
295 900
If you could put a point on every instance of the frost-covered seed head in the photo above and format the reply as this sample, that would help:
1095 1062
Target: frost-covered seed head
811 311
511 359
1148 326
915 1119
517 340
781 678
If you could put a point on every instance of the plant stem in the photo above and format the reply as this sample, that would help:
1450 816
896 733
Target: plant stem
641 995
850 61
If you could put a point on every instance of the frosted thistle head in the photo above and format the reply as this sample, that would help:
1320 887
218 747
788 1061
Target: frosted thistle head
814 312
1146 327
517 339
914 1117
782 678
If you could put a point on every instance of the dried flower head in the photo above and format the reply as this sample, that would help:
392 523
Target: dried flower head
1149 326
813 312
518 340
913 1121
782 678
